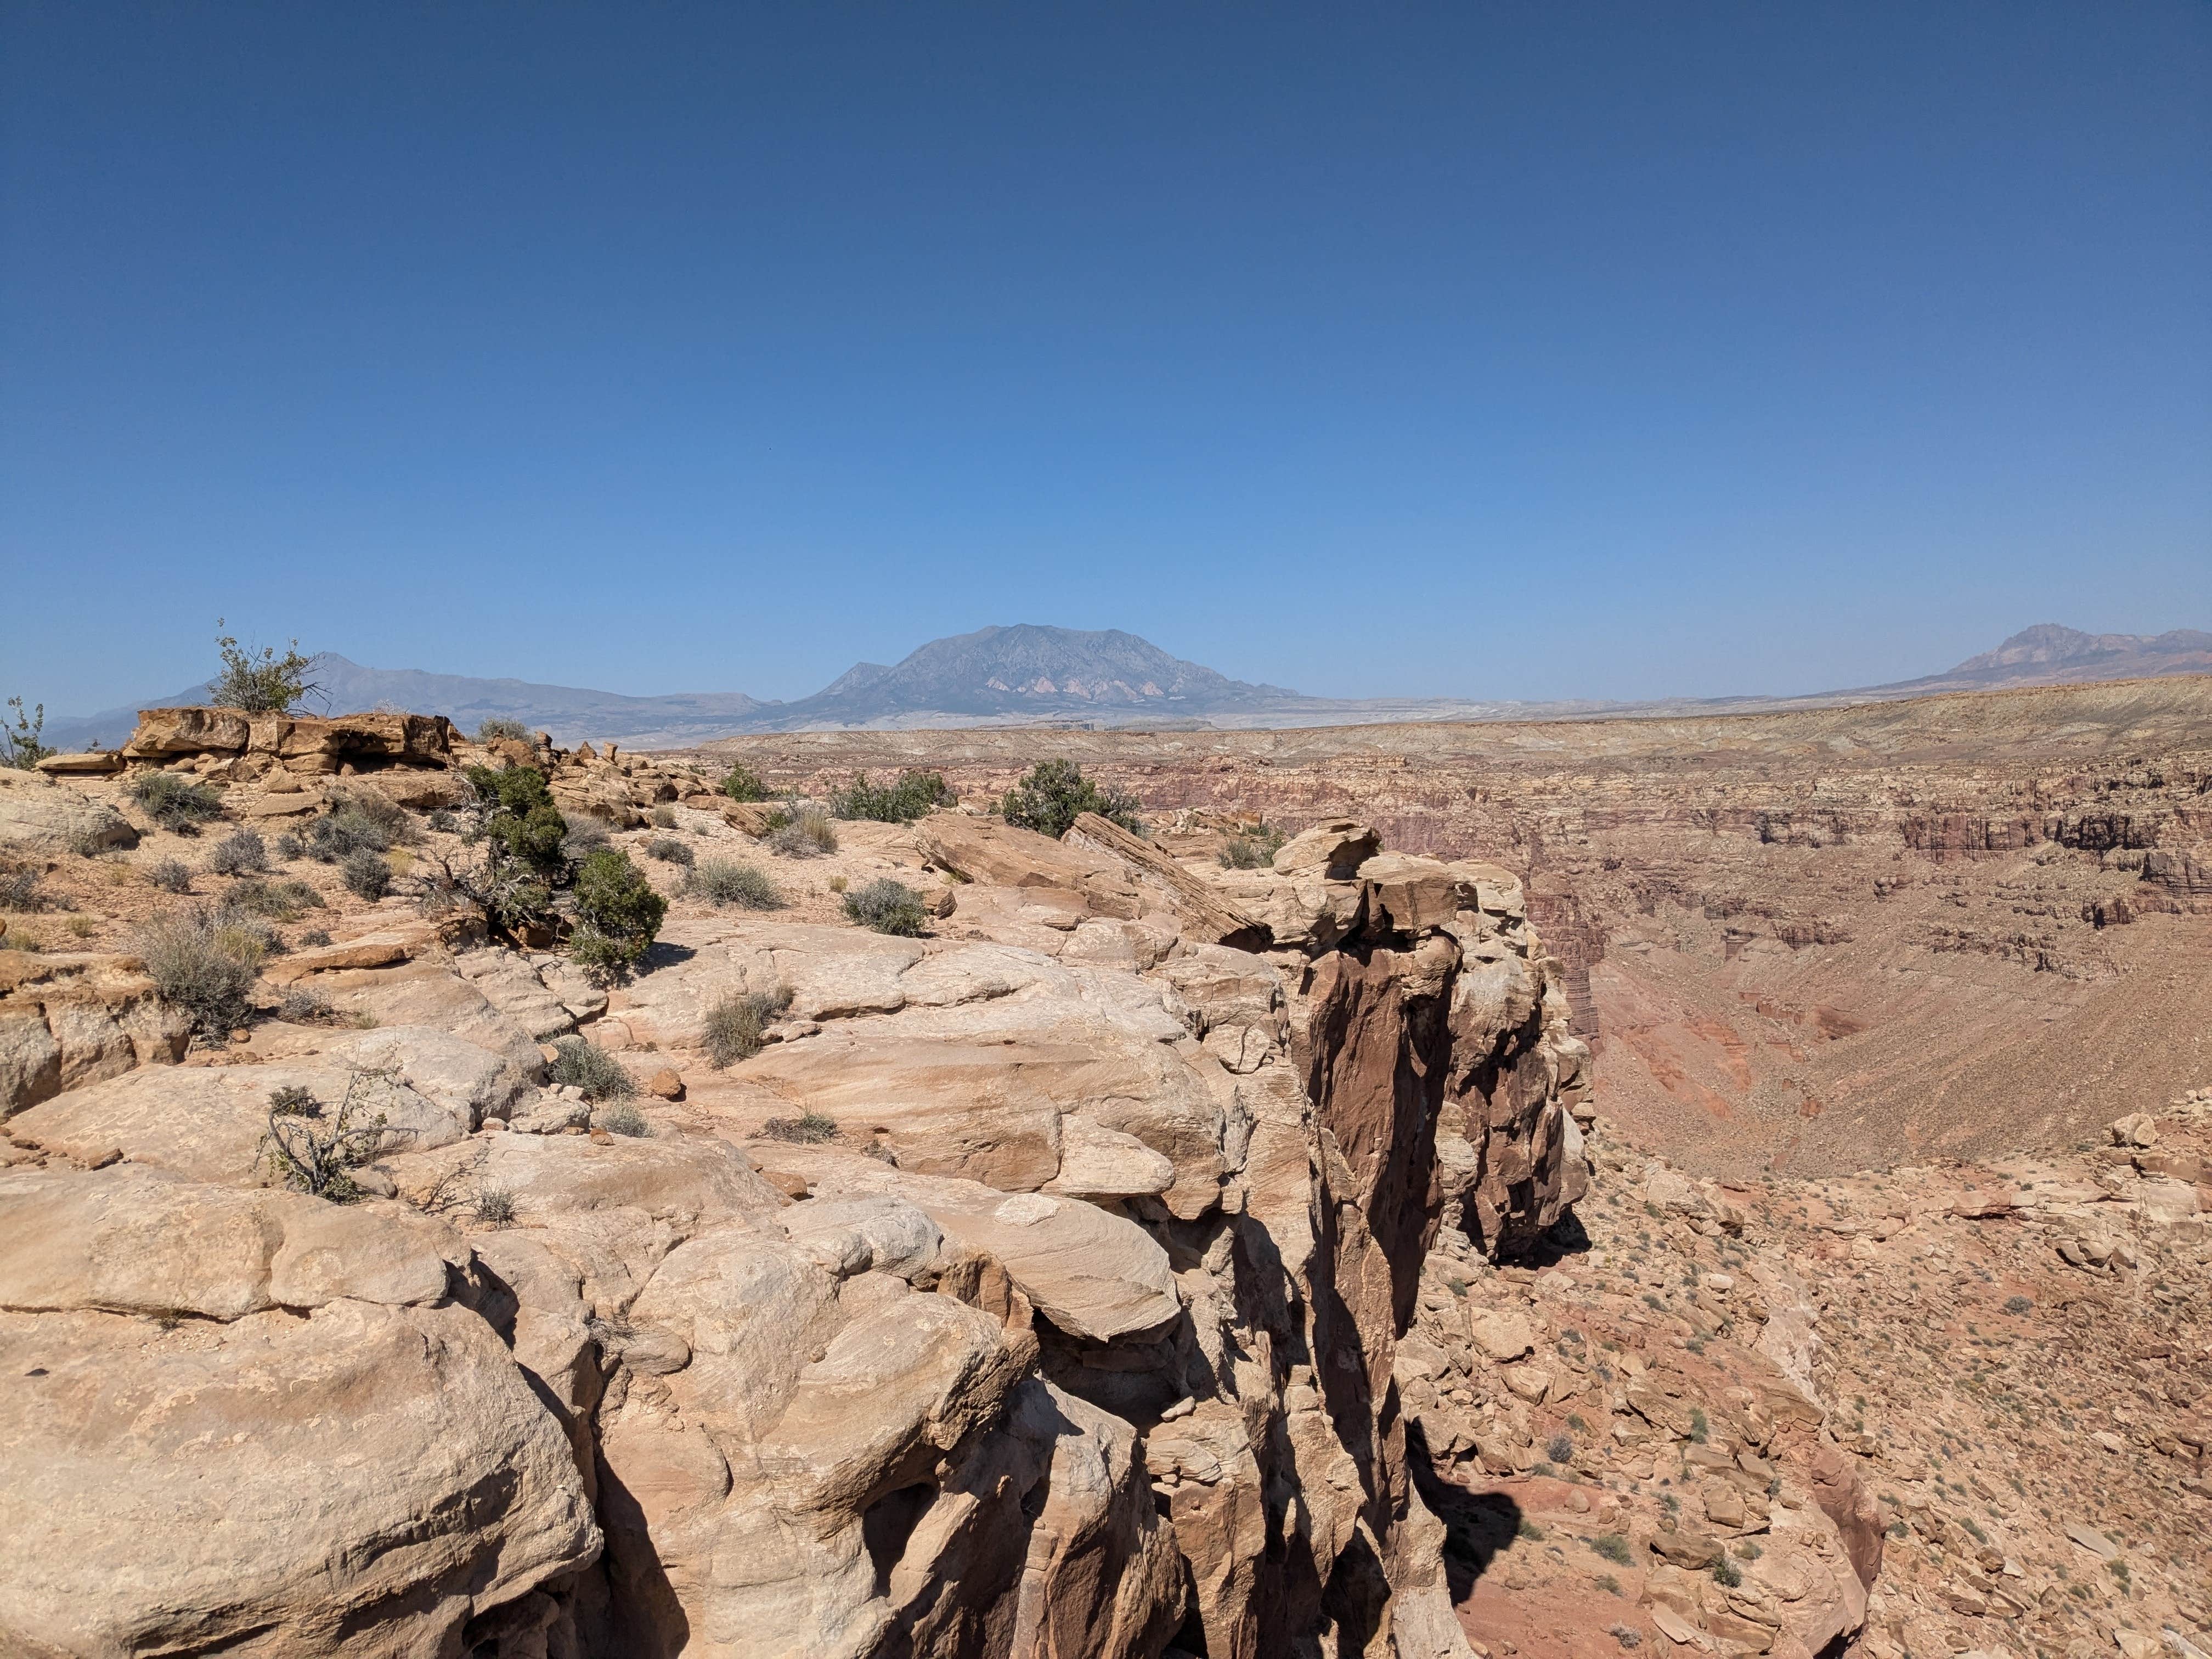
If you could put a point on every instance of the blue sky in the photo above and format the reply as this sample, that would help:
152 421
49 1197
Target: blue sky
1493 351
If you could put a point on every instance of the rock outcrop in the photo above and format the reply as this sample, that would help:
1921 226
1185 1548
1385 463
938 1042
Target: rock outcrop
1072 1329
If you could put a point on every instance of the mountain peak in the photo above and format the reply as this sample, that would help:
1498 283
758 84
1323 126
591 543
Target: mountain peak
2052 645
1023 669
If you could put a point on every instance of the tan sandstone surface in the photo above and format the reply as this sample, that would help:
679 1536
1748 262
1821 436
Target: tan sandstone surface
1075 1334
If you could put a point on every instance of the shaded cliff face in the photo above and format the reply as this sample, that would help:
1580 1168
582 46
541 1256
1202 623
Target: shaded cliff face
1074 1332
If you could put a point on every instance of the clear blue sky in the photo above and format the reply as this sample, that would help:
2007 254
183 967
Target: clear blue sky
1498 350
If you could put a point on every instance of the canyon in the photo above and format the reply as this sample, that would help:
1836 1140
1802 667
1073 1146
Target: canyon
1726 1184
1812 941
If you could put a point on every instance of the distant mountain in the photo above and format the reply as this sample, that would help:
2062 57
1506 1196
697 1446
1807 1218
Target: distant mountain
1031 675
569 713
2047 654
1025 673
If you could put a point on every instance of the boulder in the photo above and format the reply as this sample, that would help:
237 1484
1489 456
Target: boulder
92 764
993 854
359 1470
1197 906
1334 849
46 820
207 1122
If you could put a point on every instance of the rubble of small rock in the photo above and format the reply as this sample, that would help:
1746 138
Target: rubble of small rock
1968 1404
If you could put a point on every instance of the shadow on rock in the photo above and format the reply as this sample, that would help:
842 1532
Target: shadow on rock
1478 1525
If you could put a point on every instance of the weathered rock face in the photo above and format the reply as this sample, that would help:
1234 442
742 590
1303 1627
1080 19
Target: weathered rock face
1081 1339
40 818
257 1423
297 743
69 1021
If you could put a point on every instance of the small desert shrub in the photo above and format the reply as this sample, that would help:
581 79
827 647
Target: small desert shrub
308 1008
1052 794
663 817
495 1206
337 838
839 883
492 730
806 833
81 926
290 845
380 809
1726 1572
174 802
902 802
1612 1547
443 822
21 748
239 854
734 1025
23 891
1560 1449
725 882
267 684
888 907
2017 1305
1627 1635
741 782
586 835
366 874
203 962
279 901
808 1129
617 914
1699 1429
1529 1530
592 1069
1252 849
315 936
625 1119
313 1149
669 850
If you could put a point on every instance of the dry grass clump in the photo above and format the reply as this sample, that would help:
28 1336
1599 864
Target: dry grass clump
805 833
734 1025
204 961
175 803
669 850
725 882
808 1129
888 907
601 1077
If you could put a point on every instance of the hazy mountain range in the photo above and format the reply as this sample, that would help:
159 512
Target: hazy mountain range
1034 675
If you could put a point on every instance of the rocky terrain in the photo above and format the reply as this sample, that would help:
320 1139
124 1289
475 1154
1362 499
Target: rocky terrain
1029 1287
1815 941
1149 1258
